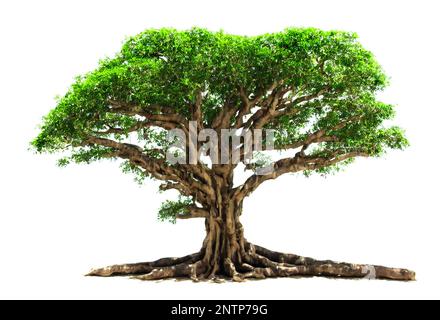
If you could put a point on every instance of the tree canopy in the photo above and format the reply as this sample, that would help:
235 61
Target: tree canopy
327 79
316 89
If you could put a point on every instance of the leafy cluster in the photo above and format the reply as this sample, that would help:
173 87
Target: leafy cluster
170 210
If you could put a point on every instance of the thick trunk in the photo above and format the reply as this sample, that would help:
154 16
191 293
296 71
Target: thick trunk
225 253
224 244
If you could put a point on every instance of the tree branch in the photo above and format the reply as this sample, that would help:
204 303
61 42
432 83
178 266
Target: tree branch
292 165
320 135
194 212
195 179
167 118
276 107
138 125
197 110
248 104
223 118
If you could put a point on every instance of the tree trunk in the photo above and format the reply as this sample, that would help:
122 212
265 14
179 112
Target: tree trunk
224 246
225 254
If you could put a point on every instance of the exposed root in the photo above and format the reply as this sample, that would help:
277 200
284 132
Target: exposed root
189 270
303 266
232 272
142 267
244 267
257 263
281 257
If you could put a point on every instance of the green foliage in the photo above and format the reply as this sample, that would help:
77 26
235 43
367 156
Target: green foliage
139 174
170 209
329 170
168 67
86 155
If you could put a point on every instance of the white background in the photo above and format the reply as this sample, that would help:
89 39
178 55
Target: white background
55 224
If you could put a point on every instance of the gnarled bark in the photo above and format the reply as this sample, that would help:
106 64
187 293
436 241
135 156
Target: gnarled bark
226 254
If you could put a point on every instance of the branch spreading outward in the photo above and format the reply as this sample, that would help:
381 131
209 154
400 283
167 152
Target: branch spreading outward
315 90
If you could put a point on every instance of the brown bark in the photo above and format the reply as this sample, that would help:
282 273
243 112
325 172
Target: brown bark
226 254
